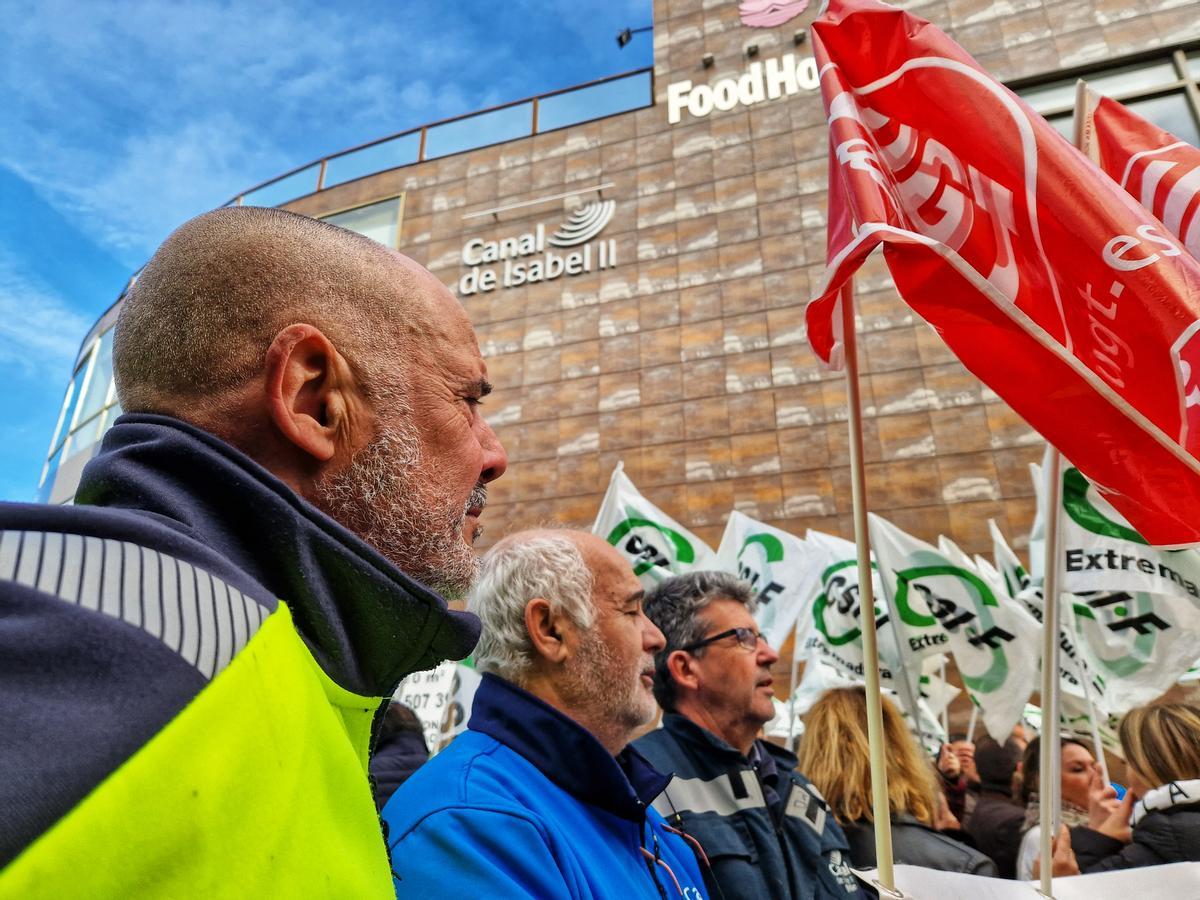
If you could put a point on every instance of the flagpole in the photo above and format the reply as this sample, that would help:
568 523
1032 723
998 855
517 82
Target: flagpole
881 808
945 702
1048 778
792 684
1097 744
974 718
1082 141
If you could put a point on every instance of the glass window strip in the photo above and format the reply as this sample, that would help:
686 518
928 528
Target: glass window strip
58 428
1184 70
83 386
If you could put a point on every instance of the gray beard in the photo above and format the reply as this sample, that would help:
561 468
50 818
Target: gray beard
601 696
385 497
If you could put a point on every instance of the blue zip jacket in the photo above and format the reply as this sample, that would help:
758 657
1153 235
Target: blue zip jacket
527 803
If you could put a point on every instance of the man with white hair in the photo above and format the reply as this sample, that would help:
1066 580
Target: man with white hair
541 796
192 654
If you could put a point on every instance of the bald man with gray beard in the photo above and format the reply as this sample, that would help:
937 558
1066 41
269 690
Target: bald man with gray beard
192 655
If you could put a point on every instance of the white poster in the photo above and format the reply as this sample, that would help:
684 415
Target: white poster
462 696
428 695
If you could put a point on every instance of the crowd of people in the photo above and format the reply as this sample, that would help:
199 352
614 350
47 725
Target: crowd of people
194 657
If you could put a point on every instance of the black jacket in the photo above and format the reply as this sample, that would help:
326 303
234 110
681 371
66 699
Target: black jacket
765 830
185 575
915 844
396 757
1162 836
995 827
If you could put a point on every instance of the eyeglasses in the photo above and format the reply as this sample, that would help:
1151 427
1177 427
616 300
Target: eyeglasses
747 638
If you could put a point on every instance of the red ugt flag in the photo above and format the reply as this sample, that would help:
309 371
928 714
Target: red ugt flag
1048 281
1159 169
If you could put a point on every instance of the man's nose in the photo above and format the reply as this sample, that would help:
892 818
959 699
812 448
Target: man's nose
495 460
767 655
652 637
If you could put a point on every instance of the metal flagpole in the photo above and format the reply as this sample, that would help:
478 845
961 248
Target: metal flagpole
866 595
1049 788
971 722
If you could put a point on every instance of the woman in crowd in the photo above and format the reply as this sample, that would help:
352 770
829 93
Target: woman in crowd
834 755
1078 767
1159 820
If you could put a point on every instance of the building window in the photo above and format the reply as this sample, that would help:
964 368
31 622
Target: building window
88 410
379 221
1161 89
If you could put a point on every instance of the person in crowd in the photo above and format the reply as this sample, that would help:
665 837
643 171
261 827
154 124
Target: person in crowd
998 819
944 821
835 755
541 796
765 830
192 654
1079 769
960 778
1158 820
400 750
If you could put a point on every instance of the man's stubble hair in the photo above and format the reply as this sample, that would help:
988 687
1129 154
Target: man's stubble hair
201 315
197 324
385 497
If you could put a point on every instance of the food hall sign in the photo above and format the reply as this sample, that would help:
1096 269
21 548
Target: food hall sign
532 257
781 77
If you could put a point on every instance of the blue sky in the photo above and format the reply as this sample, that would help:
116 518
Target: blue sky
124 119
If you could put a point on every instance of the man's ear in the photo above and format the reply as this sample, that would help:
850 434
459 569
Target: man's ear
551 635
310 390
683 669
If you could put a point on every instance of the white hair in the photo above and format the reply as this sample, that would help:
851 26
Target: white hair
519 569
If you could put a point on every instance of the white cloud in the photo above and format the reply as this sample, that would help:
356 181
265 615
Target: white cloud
39 332
130 118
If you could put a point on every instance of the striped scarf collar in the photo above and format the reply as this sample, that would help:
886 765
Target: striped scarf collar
1175 793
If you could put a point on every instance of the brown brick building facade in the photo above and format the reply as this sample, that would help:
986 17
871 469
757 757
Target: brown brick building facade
687 359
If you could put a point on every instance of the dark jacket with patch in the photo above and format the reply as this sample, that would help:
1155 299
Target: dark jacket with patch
190 661
916 844
765 830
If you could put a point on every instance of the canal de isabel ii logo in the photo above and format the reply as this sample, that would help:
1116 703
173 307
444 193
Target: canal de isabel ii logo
504 263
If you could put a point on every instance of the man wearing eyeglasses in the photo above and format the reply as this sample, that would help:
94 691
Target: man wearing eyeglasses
765 830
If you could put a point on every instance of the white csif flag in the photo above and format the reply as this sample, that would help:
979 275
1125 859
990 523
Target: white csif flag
1136 608
994 642
833 632
784 570
1008 564
655 544
831 627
